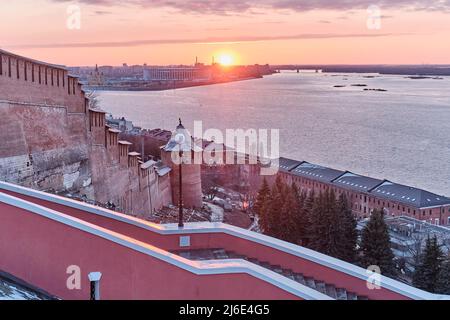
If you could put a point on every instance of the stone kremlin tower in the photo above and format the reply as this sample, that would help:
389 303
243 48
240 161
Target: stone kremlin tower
191 167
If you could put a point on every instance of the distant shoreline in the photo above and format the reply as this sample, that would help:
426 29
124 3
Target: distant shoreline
406 70
162 86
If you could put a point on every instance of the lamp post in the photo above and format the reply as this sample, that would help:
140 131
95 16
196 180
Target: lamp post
180 197
94 279
180 140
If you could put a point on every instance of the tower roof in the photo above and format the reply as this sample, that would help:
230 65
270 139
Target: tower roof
182 140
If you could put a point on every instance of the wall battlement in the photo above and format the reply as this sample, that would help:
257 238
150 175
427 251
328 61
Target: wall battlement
54 141
27 80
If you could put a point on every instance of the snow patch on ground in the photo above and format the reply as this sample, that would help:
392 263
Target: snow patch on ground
216 212
255 225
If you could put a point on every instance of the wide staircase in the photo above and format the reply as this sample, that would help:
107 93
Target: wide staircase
323 287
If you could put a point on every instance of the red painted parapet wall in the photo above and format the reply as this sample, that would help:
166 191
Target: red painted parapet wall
37 245
167 237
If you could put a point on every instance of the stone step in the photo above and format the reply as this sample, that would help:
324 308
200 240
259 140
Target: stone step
253 260
323 287
288 274
331 291
234 255
186 255
320 286
265 264
220 254
299 278
351 296
341 294
277 269
310 282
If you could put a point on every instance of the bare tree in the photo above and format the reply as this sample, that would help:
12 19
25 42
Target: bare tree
93 98
414 248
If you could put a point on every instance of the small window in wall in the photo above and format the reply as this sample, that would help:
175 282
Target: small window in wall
9 67
17 69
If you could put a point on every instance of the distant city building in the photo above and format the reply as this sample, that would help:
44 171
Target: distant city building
96 77
177 73
119 123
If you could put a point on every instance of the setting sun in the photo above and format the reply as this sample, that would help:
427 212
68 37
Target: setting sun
226 60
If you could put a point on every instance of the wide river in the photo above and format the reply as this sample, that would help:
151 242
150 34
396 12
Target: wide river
402 134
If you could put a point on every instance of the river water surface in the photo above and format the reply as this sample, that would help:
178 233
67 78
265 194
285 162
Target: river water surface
402 134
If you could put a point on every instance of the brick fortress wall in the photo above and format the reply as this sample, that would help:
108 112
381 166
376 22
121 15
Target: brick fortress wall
51 140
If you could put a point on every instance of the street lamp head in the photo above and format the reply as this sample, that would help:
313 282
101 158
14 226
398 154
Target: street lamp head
180 125
180 138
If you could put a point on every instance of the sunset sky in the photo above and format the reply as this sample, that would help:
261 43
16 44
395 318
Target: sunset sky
251 31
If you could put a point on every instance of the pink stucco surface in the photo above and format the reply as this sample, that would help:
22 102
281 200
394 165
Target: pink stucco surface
39 250
229 242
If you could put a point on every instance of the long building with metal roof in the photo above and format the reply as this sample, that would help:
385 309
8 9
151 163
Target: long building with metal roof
366 193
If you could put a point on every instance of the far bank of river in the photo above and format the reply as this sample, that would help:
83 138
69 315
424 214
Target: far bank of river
161 86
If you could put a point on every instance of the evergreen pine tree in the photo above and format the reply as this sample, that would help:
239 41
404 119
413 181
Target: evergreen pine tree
300 218
263 194
323 229
335 244
444 278
348 234
308 206
427 274
272 211
376 245
287 219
